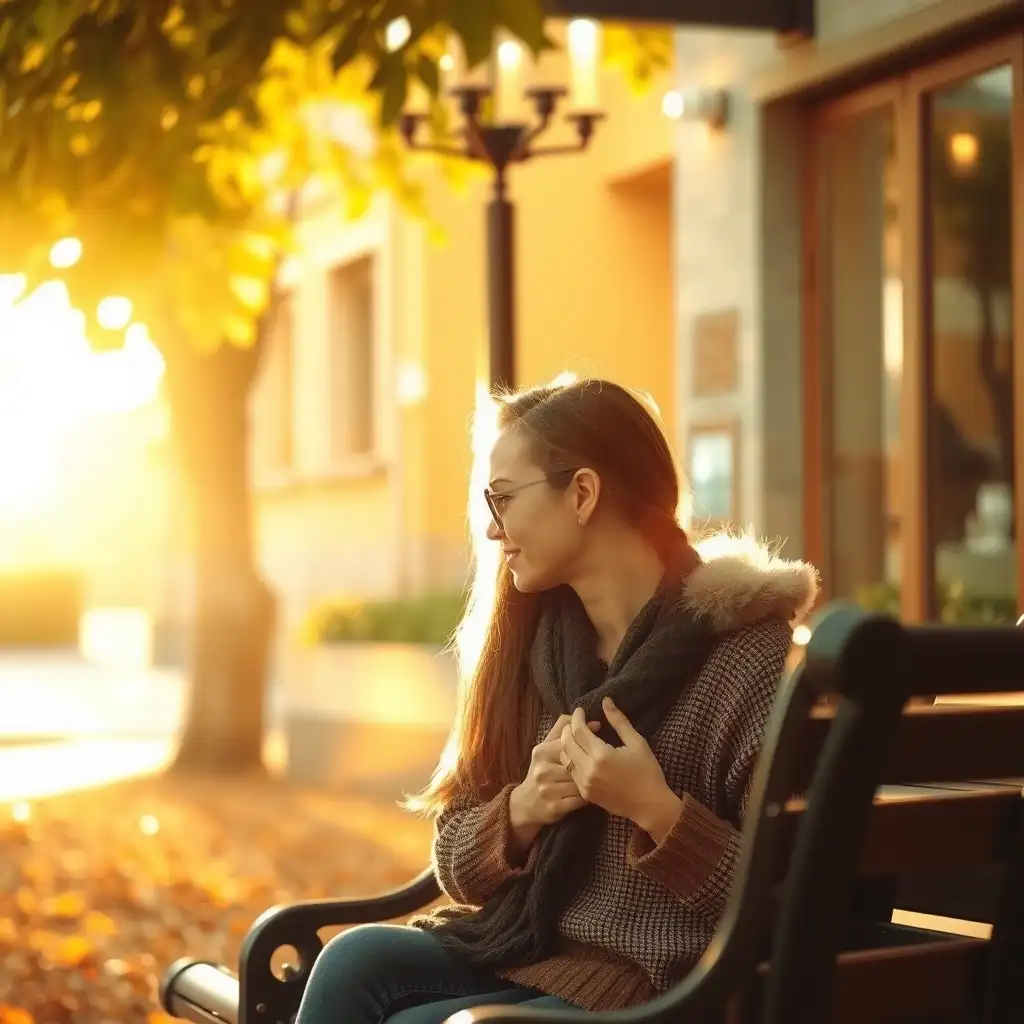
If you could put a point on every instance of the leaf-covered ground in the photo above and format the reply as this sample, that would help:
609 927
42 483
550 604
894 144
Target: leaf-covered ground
101 890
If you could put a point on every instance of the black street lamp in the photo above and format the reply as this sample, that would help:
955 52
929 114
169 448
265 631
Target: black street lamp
502 144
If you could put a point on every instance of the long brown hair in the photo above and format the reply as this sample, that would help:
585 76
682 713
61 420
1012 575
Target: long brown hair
586 423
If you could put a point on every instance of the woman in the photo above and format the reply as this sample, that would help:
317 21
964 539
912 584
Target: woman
588 824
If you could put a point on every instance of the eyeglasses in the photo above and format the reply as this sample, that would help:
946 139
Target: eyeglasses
497 500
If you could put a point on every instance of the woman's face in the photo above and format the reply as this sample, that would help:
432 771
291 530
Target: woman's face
539 530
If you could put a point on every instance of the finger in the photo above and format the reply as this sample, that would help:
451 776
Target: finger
584 735
556 729
552 771
568 804
571 749
622 725
564 790
548 753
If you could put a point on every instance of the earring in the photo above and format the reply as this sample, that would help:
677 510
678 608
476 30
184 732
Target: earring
579 519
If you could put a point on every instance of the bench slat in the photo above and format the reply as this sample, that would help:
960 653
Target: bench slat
937 830
906 974
938 743
907 983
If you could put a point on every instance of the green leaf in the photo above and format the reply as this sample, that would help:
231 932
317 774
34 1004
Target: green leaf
348 46
393 95
428 73
525 20
474 22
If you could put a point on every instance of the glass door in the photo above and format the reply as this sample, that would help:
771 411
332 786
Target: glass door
914 368
970 335
857 404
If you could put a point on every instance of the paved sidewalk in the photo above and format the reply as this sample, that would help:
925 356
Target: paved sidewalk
46 696
68 725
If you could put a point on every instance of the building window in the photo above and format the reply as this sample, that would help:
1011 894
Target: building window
353 329
273 426
712 476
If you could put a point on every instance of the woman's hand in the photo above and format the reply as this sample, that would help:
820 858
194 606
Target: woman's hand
626 781
548 793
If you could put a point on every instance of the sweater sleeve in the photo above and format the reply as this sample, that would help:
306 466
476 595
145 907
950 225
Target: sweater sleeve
472 850
697 859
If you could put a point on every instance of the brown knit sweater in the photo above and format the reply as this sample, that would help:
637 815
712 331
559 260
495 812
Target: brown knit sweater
648 912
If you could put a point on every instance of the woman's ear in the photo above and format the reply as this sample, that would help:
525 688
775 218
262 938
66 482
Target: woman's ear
585 491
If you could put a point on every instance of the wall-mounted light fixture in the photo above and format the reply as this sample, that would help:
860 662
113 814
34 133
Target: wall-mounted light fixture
708 105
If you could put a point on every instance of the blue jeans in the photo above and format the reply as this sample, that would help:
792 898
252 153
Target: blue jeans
389 972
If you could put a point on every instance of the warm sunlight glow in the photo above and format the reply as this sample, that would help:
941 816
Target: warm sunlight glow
483 434
39 771
411 384
114 313
801 635
12 286
149 825
50 380
486 553
116 638
66 253
1020 621
397 34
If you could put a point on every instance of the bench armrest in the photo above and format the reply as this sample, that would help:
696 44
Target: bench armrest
283 924
297 926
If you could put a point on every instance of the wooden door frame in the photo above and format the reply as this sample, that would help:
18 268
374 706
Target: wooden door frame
907 96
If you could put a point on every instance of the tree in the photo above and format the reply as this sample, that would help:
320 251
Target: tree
174 138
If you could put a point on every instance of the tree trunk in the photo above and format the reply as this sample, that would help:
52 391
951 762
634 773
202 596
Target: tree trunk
234 609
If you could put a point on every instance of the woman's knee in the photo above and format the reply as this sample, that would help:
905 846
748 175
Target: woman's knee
361 949
374 952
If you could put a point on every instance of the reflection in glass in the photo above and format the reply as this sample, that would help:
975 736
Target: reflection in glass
970 348
862 307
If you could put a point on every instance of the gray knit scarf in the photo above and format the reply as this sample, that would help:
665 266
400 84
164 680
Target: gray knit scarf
661 654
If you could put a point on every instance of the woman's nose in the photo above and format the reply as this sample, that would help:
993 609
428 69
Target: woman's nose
493 531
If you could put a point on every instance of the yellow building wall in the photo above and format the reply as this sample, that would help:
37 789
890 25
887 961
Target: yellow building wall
326 527
594 296
594 280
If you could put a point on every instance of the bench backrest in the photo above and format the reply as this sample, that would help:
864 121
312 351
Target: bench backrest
937 822
827 853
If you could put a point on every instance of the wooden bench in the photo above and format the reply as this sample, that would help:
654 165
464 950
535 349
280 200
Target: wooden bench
898 806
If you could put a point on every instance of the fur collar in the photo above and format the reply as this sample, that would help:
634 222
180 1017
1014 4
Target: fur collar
742 581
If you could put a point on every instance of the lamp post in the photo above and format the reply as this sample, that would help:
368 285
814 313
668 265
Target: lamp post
500 144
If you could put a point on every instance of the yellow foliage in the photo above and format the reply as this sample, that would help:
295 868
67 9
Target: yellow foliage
639 52
174 17
99 925
35 54
180 229
14 1015
68 905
